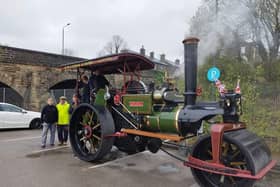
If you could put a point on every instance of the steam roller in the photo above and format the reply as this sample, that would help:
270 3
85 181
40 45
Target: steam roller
134 121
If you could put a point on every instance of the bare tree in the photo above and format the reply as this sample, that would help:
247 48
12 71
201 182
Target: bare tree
220 27
265 25
114 46
240 20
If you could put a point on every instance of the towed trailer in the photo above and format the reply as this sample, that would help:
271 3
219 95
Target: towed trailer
134 119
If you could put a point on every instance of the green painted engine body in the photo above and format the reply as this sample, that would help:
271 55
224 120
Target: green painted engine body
138 103
99 98
156 120
162 122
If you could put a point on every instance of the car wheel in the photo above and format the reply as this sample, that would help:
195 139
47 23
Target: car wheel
35 124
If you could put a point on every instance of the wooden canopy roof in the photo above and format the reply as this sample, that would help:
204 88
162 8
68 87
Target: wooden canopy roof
113 64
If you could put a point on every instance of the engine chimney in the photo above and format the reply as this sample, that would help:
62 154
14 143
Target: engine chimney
190 55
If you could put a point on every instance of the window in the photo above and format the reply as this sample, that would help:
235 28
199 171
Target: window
10 108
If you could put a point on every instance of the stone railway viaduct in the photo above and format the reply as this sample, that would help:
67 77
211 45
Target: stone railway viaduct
28 75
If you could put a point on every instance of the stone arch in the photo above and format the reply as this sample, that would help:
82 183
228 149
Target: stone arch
64 84
10 95
58 76
8 80
63 88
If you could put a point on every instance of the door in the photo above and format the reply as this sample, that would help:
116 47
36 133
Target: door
14 117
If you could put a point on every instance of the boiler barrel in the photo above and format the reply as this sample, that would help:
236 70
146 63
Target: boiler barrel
162 122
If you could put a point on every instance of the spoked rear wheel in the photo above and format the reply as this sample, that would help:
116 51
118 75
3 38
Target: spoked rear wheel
89 130
232 156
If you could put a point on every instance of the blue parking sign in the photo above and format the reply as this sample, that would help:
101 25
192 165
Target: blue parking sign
213 74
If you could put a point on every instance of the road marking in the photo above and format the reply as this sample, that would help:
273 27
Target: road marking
113 161
194 185
21 139
44 151
50 149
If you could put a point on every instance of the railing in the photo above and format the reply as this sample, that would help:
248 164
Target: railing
68 93
9 95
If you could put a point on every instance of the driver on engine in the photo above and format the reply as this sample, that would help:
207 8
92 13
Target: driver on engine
98 84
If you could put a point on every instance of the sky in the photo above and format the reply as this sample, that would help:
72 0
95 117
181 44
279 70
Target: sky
158 25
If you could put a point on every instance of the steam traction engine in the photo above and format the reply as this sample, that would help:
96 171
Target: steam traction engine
133 120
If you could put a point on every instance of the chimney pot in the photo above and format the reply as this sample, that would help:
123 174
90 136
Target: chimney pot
142 51
162 57
152 54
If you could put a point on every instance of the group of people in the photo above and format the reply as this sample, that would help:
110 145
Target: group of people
57 117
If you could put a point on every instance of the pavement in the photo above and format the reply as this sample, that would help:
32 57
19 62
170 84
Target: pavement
24 164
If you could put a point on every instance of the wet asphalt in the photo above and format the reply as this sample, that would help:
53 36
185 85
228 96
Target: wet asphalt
24 164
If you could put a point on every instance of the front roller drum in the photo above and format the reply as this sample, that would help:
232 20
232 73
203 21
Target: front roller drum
90 127
240 149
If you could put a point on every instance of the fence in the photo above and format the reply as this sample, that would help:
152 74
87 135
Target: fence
68 93
9 95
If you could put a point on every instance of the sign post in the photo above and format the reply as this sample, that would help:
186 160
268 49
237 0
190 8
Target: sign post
213 74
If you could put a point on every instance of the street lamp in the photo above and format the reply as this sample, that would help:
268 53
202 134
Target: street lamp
63 37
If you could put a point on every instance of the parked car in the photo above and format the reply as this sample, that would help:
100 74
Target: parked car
12 116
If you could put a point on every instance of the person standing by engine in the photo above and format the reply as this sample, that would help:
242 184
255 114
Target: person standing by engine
63 108
100 81
75 103
101 88
49 117
85 89
91 81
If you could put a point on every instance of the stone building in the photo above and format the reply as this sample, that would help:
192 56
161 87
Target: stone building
161 63
28 77
162 66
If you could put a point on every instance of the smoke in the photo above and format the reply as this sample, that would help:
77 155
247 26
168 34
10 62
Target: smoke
218 30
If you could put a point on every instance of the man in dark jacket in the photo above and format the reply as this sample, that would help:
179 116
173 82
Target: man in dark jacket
100 82
49 117
85 89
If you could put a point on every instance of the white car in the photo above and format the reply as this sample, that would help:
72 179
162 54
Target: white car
12 116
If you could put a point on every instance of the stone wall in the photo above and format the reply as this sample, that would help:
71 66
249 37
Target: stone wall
32 82
32 73
13 55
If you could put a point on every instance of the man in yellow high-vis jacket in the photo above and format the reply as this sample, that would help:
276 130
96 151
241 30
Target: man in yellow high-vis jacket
63 120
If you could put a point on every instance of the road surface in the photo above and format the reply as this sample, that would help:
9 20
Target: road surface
24 164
